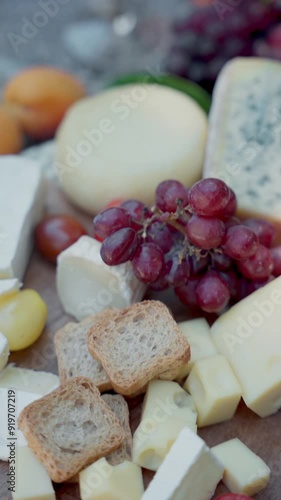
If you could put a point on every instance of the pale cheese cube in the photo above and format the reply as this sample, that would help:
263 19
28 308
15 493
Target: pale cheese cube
24 379
215 390
197 332
4 351
249 335
102 481
21 207
32 480
244 471
189 471
167 409
86 285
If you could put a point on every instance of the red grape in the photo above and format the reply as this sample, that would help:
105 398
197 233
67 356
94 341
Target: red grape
160 284
231 207
109 221
198 264
264 230
169 194
160 234
240 242
205 232
243 289
258 266
55 233
212 293
232 221
209 197
176 271
232 281
119 247
276 257
221 261
148 263
233 496
255 285
186 293
137 209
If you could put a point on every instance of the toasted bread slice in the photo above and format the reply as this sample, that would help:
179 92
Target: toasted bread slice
70 428
74 359
119 407
138 344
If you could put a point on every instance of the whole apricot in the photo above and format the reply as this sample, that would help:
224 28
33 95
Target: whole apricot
11 134
40 96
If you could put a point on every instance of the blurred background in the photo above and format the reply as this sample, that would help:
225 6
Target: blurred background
100 40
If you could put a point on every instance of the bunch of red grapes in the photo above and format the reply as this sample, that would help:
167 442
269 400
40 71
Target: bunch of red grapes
191 241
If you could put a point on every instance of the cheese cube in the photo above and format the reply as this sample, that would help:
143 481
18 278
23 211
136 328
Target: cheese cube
102 481
167 409
215 390
243 147
86 285
249 335
32 480
21 207
16 404
244 471
189 471
197 332
4 351
24 379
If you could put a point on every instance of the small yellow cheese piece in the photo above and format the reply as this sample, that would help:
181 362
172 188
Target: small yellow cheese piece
22 318
215 390
31 479
102 481
197 332
244 471
167 409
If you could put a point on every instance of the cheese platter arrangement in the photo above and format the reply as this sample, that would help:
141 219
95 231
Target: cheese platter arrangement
140 292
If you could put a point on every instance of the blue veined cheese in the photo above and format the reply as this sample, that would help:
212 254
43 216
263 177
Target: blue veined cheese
244 138
21 207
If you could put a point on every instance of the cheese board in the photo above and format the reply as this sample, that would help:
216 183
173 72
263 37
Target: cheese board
261 435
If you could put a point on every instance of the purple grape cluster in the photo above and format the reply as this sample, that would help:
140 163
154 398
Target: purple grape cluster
192 241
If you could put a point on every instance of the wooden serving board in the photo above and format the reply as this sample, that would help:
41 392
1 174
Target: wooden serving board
263 436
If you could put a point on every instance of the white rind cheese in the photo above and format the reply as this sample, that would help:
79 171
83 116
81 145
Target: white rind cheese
21 207
4 351
125 140
86 285
249 336
32 480
24 379
9 286
166 410
244 471
243 145
190 471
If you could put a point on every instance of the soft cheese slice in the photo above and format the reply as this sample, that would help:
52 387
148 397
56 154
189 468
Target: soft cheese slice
197 332
21 207
249 335
24 379
167 409
18 401
32 480
189 471
243 146
102 481
244 471
215 390
86 285
4 351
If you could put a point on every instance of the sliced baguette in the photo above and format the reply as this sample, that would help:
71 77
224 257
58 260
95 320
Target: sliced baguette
70 428
119 407
74 359
138 344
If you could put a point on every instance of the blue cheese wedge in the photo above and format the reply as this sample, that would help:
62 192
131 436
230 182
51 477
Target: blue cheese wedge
243 146
21 207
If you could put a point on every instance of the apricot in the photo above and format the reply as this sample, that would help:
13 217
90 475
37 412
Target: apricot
11 134
40 96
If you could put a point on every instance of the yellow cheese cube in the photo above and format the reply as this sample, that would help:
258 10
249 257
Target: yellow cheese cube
167 409
32 481
215 390
197 332
244 471
102 481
